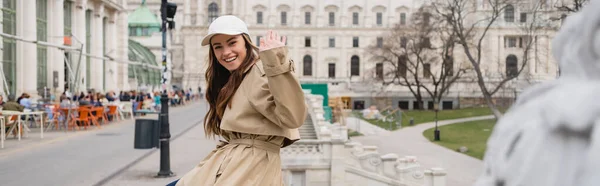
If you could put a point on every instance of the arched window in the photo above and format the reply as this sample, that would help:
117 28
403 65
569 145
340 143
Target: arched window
213 12
512 66
354 66
307 65
509 13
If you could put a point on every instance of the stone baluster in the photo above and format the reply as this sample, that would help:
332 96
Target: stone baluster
409 171
435 177
389 165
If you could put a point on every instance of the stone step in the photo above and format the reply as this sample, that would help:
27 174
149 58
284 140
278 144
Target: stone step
308 137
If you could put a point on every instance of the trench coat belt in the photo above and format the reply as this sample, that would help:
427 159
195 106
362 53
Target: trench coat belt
268 146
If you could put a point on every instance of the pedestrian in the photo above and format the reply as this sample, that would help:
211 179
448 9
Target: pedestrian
256 105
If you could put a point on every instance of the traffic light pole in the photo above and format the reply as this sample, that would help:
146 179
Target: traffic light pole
165 135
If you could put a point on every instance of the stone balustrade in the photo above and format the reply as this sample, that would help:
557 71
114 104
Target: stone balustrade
334 160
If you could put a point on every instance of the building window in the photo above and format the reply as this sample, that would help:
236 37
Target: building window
426 43
67 10
258 40
509 14
379 70
403 42
283 18
355 42
402 18
354 66
213 12
332 42
306 41
42 35
88 47
259 17
132 31
510 42
523 17
426 18
449 65
307 65
307 18
379 42
355 18
402 66
145 31
512 66
427 70
379 16
9 55
331 18
331 70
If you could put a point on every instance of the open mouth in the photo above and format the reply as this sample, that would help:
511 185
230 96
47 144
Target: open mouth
230 59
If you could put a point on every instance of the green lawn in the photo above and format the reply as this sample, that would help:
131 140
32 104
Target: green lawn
352 133
473 135
424 116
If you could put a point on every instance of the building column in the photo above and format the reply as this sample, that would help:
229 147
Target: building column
97 71
111 47
123 34
56 57
26 52
201 13
78 29
186 13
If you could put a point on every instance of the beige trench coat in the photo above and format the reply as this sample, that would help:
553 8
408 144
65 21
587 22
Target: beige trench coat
266 111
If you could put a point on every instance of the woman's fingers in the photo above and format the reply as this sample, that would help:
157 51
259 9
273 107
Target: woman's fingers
283 39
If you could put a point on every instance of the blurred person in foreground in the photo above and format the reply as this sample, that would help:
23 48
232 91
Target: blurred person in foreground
256 105
551 136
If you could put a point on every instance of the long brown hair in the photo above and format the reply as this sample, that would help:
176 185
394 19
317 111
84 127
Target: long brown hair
222 85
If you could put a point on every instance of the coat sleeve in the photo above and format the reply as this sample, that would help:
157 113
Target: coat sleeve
280 99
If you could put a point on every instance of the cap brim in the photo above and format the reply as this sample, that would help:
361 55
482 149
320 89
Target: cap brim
206 40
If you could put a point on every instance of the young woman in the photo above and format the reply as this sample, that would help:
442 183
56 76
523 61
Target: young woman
256 105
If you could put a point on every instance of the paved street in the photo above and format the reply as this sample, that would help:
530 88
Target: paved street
88 158
462 170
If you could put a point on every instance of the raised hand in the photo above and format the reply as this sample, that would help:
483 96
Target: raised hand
271 40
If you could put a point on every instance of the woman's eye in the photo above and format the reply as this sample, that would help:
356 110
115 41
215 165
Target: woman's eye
232 43
217 47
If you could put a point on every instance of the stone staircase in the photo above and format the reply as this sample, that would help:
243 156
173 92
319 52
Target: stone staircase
326 157
307 130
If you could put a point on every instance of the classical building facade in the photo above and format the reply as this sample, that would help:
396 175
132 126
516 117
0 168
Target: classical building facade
328 40
62 27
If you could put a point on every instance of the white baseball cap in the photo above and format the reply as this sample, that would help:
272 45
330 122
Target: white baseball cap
228 25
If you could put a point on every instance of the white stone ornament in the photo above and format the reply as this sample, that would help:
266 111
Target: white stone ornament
551 135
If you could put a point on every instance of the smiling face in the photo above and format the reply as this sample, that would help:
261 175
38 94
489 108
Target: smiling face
229 50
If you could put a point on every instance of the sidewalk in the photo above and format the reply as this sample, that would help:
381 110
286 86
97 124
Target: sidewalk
364 127
33 139
462 170
187 151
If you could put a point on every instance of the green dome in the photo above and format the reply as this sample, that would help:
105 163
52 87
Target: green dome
143 17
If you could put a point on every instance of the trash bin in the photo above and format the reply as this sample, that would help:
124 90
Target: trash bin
146 134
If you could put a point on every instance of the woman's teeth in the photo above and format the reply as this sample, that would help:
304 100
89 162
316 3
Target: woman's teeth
230 59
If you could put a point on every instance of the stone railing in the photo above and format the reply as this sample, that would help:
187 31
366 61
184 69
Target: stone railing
334 160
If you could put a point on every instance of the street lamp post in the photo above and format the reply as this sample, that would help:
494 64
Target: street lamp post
167 13
436 134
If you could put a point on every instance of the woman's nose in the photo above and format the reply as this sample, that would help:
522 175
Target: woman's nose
226 51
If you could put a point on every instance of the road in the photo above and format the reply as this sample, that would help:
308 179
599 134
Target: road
88 158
